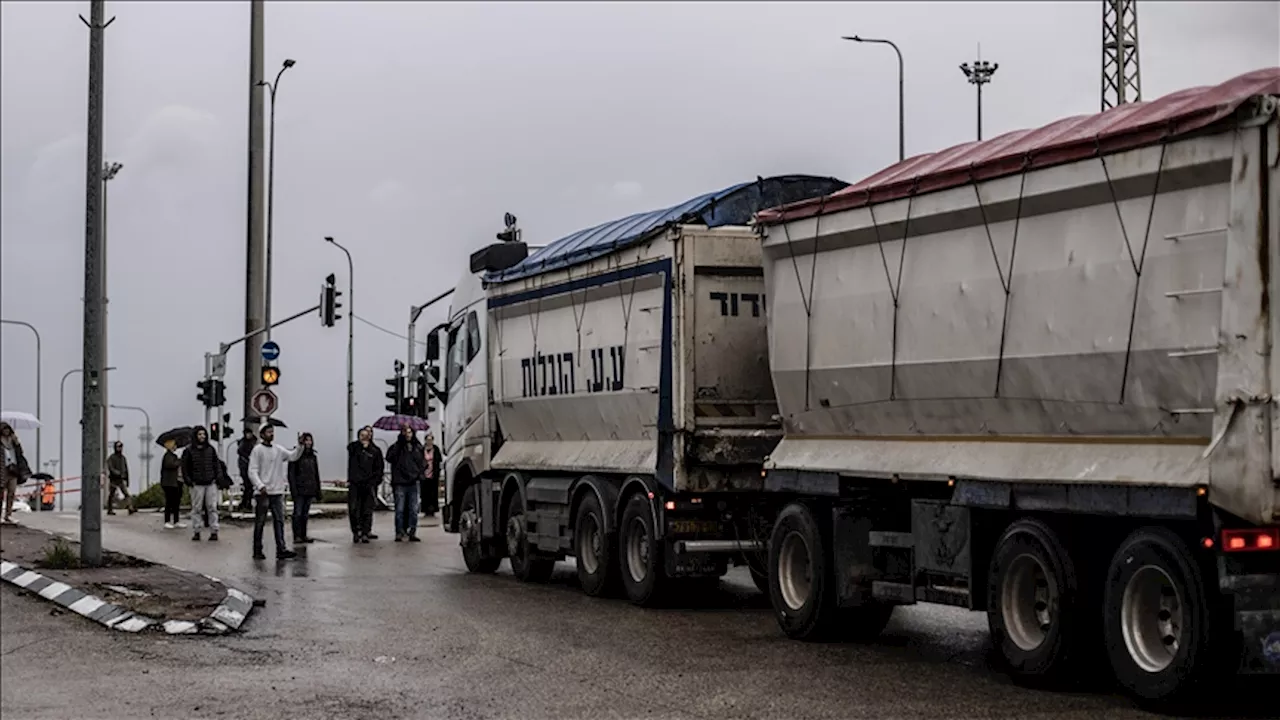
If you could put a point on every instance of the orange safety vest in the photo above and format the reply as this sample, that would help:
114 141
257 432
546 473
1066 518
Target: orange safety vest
48 494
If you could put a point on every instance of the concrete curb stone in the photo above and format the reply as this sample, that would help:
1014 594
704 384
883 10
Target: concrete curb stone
226 618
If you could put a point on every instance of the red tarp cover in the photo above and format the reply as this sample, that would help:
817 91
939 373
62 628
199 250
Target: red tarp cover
1075 138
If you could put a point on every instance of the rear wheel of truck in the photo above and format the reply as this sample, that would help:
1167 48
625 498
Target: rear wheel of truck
640 553
1034 607
800 590
1157 617
469 533
593 550
525 563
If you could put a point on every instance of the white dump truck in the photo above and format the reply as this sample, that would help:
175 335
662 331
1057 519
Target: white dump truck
1030 376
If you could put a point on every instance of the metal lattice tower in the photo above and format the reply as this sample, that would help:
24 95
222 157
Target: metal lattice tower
1121 78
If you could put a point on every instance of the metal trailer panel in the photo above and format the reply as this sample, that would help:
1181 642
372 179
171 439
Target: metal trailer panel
1114 299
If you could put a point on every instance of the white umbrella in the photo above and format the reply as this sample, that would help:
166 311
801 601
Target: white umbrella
19 420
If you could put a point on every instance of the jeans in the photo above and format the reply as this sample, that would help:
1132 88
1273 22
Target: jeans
301 510
204 503
360 501
261 504
406 509
172 500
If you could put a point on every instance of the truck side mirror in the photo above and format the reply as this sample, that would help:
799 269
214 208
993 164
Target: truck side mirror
433 346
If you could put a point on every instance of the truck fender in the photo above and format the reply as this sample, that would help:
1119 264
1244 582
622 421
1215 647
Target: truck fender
605 493
512 484
643 486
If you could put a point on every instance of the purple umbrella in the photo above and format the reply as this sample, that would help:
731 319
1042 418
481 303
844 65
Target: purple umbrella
393 423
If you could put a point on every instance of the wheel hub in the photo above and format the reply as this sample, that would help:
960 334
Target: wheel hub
469 528
1028 601
1151 618
638 551
589 550
795 571
515 534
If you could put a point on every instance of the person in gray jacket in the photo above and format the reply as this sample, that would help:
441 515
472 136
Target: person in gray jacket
118 475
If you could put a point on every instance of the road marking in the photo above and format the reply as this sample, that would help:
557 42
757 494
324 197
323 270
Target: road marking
85 605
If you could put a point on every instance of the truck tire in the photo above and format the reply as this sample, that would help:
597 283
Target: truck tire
469 532
800 586
1034 605
1157 617
525 563
640 564
593 549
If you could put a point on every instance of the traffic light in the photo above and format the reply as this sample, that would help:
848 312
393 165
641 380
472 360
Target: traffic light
226 427
206 395
214 428
395 394
219 393
270 375
329 304
427 375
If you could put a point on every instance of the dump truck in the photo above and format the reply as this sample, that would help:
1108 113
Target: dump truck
1029 376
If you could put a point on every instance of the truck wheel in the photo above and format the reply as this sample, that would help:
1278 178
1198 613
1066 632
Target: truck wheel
800 590
640 553
1033 602
593 549
469 532
525 564
1157 617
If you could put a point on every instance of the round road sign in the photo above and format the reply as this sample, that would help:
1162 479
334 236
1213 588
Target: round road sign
264 402
270 350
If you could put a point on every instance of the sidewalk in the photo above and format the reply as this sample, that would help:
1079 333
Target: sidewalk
126 593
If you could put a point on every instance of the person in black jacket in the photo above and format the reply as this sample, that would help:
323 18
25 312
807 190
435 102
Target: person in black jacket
364 474
408 462
244 448
304 486
431 481
171 485
202 469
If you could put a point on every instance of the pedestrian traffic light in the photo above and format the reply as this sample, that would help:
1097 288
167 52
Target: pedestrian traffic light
226 426
219 393
214 428
206 395
395 394
329 304
270 375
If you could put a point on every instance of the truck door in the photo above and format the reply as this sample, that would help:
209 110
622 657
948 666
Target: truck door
465 376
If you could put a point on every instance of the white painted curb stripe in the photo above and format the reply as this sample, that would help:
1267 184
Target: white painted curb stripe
26 579
86 605
54 590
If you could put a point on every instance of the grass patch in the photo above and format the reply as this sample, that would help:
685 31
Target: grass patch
59 555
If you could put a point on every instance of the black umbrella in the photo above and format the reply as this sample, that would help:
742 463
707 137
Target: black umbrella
273 421
180 436
42 477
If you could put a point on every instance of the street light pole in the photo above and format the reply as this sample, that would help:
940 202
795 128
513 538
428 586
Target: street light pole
351 341
62 404
33 329
902 142
146 438
271 185
979 74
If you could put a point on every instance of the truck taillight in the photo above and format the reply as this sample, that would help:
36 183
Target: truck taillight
1252 539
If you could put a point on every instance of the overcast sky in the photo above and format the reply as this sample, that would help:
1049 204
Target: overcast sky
407 129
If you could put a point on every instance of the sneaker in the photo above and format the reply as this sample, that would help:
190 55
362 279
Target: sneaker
370 536
414 538
168 526
399 538
111 512
195 538
259 556
180 525
213 537
365 539
356 539
286 555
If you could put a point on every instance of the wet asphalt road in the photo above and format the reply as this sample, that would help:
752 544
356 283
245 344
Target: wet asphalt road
391 630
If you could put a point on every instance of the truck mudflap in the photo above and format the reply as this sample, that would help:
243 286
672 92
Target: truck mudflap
1257 618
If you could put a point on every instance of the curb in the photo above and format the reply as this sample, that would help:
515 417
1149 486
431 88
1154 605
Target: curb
226 618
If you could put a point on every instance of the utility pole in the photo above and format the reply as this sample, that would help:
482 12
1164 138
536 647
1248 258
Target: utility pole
255 252
1121 76
91 459
979 74
109 172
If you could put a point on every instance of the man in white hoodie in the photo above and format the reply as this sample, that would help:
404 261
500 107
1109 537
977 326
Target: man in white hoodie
269 474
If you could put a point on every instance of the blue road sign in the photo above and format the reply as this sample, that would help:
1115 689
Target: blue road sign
270 350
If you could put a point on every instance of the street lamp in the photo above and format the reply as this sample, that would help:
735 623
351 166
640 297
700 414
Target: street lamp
33 329
902 143
62 393
146 438
109 172
271 184
351 340
979 74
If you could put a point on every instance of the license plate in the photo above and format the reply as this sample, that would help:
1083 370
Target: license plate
693 527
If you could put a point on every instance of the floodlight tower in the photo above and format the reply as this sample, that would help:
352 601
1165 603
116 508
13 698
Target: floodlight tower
1121 77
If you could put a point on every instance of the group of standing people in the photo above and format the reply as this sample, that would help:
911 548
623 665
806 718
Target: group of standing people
415 482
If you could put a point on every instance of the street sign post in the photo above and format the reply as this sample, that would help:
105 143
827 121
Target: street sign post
265 402
218 365
270 351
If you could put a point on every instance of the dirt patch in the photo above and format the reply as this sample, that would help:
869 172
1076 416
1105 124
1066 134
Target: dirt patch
156 591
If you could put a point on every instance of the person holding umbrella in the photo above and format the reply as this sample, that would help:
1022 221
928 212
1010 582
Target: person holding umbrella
13 467
304 486
171 485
